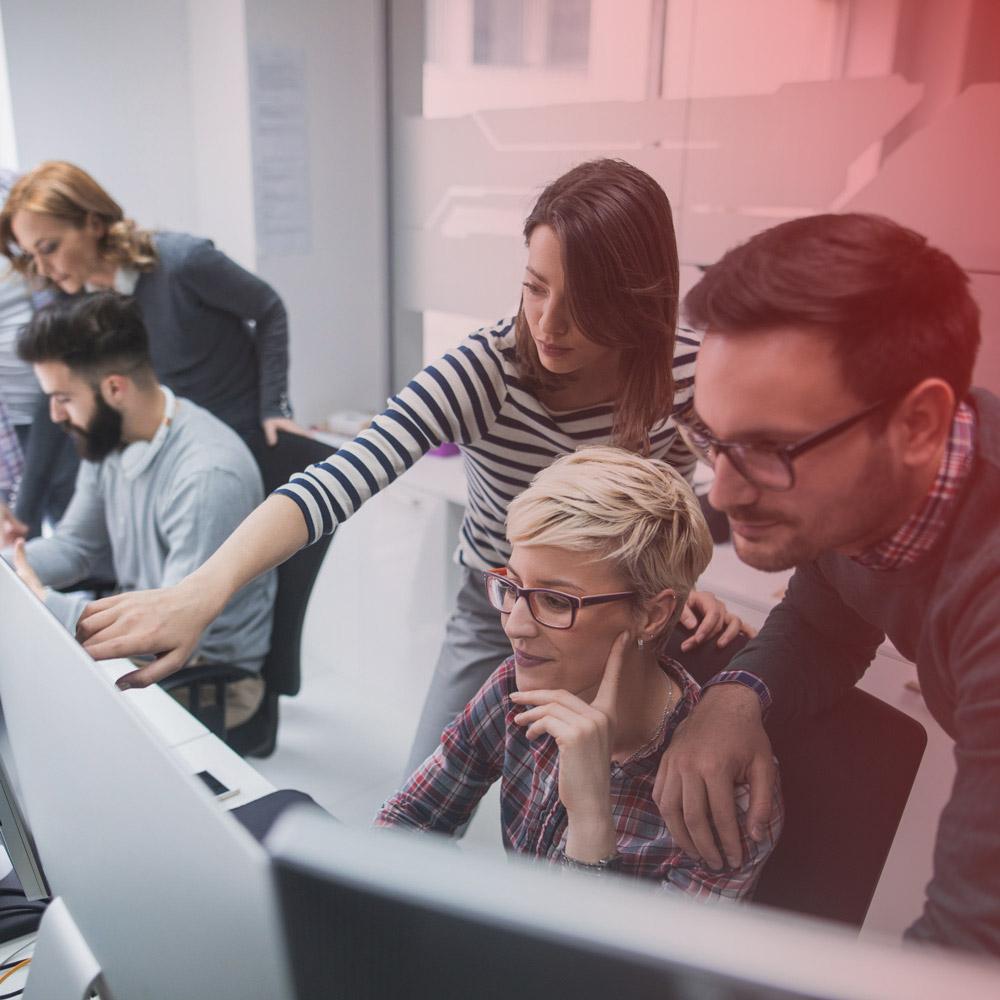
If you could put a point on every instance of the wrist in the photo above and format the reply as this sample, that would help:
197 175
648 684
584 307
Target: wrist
740 691
210 591
589 840
595 869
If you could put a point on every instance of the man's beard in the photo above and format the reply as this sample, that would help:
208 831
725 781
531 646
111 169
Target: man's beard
103 434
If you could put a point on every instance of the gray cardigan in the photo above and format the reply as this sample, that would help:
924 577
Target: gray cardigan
197 304
162 509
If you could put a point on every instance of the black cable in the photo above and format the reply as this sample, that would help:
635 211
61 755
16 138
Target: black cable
7 996
18 961
10 911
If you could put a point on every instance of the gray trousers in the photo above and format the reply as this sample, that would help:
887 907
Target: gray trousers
475 644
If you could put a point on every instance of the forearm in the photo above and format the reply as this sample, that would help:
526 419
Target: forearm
440 797
811 650
272 356
57 562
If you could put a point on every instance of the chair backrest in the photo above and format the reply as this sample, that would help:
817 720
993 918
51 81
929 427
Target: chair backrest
282 669
846 775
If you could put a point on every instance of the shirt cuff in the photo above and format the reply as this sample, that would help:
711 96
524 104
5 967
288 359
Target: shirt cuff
747 679
66 607
281 407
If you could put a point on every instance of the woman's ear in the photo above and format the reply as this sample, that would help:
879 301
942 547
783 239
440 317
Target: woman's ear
658 612
95 225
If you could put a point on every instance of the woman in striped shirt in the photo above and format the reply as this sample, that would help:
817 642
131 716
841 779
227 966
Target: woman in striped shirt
591 358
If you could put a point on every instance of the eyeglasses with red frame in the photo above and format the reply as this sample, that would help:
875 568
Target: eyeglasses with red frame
551 608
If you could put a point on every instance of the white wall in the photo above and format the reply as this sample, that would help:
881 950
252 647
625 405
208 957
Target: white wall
336 293
220 121
152 99
105 84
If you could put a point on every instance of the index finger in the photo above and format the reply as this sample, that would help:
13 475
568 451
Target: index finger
761 778
722 803
707 627
607 692
92 620
151 673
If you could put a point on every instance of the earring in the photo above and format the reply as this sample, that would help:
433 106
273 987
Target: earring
640 642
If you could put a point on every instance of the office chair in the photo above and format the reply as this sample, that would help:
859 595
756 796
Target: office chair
282 671
703 661
846 775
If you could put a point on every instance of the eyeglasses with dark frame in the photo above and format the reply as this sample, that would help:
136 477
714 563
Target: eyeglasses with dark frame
766 466
550 608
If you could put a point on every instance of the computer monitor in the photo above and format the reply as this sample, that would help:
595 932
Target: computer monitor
375 915
158 891
14 830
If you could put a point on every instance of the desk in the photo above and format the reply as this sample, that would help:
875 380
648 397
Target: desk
195 749
189 742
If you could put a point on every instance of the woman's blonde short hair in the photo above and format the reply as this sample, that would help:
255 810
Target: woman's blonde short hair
64 191
637 512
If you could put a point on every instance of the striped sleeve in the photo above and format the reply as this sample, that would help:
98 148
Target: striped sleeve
455 399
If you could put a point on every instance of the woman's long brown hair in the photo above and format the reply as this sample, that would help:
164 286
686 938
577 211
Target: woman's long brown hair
616 231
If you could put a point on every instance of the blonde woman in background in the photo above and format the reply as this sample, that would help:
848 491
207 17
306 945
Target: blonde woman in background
61 228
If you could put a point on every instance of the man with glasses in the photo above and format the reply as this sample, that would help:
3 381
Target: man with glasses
833 399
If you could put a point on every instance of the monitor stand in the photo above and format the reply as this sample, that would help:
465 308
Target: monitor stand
62 964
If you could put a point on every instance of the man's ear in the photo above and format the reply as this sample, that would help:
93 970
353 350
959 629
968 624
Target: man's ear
658 612
114 389
922 421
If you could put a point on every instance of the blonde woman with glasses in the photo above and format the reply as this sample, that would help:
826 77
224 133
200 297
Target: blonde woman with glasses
605 548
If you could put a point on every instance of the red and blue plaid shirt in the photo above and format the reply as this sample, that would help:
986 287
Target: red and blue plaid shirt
915 536
484 745
11 459
918 533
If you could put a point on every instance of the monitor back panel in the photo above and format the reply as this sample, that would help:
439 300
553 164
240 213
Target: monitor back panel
172 896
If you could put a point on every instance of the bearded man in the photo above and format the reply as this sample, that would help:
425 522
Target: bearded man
162 482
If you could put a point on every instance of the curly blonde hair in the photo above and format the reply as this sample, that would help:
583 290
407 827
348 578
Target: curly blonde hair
637 512
64 191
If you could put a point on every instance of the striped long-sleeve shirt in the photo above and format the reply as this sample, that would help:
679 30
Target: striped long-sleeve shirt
484 745
473 397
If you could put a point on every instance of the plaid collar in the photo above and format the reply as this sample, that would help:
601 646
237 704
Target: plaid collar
918 533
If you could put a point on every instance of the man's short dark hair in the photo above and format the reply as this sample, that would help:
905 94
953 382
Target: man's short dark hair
899 309
93 335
